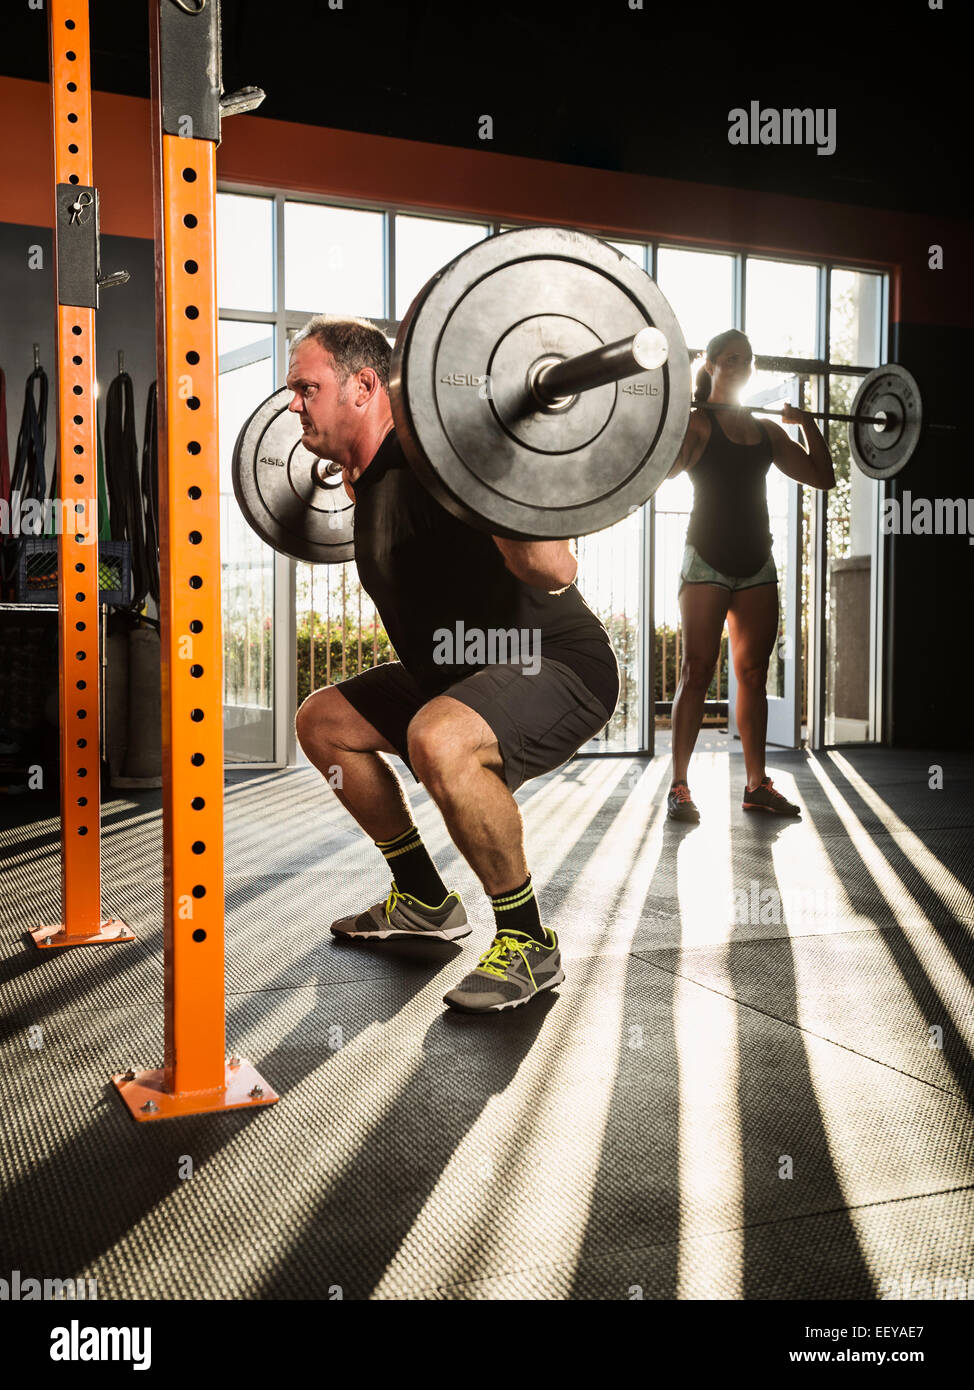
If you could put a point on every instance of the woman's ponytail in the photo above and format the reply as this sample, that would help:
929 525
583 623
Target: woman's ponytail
701 386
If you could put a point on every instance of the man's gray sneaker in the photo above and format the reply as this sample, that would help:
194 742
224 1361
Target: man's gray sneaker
401 915
512 970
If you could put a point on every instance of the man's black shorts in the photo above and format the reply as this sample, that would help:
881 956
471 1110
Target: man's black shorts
539 720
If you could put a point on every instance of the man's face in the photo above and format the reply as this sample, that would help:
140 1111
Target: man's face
326 411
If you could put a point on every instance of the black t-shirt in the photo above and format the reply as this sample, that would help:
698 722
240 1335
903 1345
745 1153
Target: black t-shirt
441 587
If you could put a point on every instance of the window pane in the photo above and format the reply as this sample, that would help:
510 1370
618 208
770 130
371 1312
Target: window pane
700 289
244 252
772 389
782 308
633 249
239 344
608 579
674 502
247 564
339 630
333 260
423 246
855 318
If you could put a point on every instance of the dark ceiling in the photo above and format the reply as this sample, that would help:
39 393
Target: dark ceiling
595 84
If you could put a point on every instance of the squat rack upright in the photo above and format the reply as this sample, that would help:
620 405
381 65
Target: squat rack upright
197 1076
77 279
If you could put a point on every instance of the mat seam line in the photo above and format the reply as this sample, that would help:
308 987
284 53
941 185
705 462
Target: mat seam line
790 1023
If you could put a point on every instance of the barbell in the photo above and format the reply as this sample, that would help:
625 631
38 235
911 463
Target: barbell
513 391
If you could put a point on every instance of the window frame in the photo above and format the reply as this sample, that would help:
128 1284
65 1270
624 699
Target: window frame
816 370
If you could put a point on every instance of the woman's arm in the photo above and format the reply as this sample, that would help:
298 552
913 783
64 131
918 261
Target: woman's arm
547 565
811 465
694 441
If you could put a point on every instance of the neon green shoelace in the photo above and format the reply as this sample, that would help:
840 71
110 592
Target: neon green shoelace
499 954
392 902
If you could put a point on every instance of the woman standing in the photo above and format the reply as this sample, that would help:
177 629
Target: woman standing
728 572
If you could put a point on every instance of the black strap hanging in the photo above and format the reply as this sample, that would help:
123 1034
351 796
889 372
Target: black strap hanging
27 481
4 451
150 492
122 477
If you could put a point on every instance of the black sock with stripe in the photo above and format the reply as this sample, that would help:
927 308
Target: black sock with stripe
412 868
517 910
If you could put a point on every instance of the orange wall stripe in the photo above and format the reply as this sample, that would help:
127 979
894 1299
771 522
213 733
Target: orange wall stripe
312 159
259 150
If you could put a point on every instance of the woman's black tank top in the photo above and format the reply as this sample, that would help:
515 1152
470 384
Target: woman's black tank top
729 526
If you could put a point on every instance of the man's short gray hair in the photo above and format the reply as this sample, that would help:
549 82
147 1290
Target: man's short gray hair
353 343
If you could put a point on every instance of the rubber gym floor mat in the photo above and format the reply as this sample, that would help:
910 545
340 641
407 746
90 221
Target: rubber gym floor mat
908 768
916 1249
672 885
416 1149
882 994
616 876
278 934
34 983
300 825
404 1157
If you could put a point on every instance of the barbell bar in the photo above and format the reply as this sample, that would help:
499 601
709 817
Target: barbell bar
512 394
882 419
878 420
553 384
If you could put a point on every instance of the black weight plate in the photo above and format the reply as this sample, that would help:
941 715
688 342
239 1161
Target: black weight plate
881 451
458 386
283 491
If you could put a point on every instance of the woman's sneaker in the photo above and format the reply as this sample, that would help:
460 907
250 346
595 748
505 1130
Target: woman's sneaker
402 915
679 803
512 970
765 798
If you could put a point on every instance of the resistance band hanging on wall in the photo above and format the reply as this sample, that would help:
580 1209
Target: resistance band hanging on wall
4 451
150 493
123 481
27 481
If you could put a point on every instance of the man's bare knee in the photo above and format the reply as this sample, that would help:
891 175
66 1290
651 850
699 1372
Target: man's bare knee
320 718
446 737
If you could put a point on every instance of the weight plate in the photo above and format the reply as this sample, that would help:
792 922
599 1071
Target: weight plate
880 451
283 490
473 433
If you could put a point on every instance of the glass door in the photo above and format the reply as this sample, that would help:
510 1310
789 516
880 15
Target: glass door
785 515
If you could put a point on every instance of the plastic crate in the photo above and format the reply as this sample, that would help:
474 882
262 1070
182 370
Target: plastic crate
37 571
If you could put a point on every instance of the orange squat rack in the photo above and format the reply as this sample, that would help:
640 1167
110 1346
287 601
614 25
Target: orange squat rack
77 278
186 101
